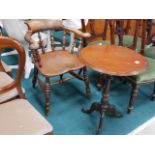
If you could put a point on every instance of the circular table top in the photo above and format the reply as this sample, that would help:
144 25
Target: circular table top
113 60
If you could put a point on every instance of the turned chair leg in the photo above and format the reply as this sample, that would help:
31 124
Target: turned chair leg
132 97
153 95
100 80
35 75
86 80
47 96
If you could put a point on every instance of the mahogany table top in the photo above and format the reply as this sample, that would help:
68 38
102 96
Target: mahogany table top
113 60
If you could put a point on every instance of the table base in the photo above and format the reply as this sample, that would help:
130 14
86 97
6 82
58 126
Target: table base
103 107
111 109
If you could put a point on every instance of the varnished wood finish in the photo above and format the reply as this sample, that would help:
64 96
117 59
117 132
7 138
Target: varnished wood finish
47 95
86 80
6 42
62 62
113 60
54 62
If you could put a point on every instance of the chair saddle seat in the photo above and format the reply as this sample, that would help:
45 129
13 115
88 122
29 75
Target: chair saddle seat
58 62
18 117
5 79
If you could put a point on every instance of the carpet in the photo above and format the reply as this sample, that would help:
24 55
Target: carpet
68 98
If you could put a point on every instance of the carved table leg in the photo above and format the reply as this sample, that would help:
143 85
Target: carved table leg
47 96
86 80
132 97
104 106
94 107
153 95
99 130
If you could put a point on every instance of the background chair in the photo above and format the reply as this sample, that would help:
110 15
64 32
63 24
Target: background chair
54 63
16 29
149 51
17 116
144 78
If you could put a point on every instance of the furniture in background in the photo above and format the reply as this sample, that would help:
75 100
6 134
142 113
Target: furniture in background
16 29
17 116
54 63
98 29
119 31
146 77
150 39
113 61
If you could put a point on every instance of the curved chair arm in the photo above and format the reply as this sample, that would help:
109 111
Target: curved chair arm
6 42
78 32
33 45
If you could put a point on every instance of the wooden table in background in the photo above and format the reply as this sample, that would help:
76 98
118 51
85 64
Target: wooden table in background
113 61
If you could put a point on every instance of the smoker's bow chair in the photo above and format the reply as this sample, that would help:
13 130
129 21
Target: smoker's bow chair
54 63
17 116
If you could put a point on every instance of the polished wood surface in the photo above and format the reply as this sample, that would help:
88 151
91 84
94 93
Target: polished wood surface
113 60
57 63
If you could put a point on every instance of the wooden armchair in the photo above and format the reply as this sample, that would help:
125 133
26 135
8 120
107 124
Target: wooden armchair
54 63
146 77
17 116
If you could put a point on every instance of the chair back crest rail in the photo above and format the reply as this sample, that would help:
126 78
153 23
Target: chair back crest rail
118 27
6 42
37 26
